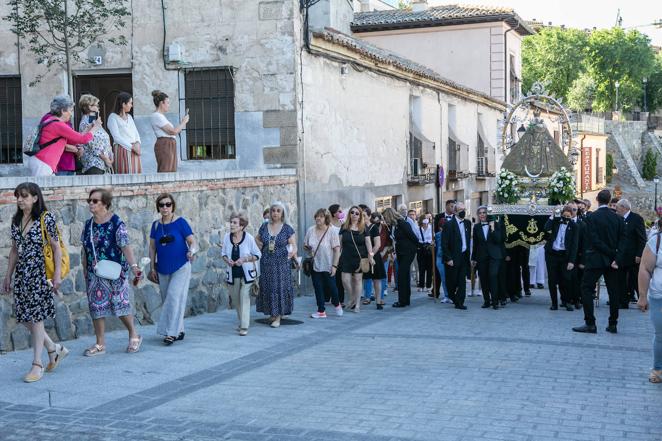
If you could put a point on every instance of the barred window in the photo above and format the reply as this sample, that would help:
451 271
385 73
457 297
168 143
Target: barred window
11 134
210 100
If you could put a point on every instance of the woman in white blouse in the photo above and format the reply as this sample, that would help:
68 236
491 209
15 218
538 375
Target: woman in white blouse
126 140
424 254
165 148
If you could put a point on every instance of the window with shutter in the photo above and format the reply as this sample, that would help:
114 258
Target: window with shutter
11 134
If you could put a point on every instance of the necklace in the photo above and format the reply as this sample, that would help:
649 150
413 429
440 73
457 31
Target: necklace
25 225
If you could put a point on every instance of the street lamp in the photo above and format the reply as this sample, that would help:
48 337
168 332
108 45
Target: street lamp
617 84
521 131
656 180
645 105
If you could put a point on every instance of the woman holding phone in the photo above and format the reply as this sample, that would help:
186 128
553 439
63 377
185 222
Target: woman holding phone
165 148
97 156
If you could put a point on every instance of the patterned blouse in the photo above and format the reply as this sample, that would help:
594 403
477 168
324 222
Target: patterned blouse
93 150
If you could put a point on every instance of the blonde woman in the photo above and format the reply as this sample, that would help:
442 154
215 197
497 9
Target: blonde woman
97 156
241 254
355 245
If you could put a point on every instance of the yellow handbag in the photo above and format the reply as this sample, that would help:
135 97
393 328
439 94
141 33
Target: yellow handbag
49 259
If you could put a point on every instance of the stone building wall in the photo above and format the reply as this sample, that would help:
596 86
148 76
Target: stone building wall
205 203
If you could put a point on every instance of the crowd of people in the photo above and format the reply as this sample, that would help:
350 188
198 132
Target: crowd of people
350 257
57 149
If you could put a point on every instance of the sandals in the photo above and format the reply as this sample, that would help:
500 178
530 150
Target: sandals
32 378
95 350
181 335
655 376
168 340
60 353
134 344
366 302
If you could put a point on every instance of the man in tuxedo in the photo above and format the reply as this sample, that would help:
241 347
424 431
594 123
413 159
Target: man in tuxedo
577 274
439 221
561 256
455 243
487 256
605 241
635 241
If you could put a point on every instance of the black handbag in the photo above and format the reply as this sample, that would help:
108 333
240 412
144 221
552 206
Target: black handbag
309 262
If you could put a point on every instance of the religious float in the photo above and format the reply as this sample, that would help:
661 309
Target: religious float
537 174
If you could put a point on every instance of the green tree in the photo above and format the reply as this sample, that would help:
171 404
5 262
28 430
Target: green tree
554 56
57 31
654 86
650 165
581 93
614 55
609 163
404 4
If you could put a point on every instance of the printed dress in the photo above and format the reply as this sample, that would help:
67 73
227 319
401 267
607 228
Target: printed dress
33 298
276 287
107 297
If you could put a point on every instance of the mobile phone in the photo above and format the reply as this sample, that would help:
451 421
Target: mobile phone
92 117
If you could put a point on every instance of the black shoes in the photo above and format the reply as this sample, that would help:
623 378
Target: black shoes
569 307
540 286
460 307
527 293
495 306
612 329
398 305
586 329
515 299
485 305
503 303
553 308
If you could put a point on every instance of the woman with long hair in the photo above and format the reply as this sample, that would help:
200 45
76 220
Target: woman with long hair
377 272
33 293
126 147
355 245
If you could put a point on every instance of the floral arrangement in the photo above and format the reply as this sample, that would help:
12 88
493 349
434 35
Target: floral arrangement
508 188
561 188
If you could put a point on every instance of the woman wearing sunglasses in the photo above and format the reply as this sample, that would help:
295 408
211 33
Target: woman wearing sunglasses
107 257
355 245
172 248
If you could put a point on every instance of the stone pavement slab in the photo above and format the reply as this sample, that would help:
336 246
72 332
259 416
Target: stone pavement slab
428 372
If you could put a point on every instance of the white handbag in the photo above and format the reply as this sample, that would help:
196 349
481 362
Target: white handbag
105 269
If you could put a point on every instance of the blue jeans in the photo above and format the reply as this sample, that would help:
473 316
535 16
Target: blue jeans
367 288
655 308
385 279
442 273
322 281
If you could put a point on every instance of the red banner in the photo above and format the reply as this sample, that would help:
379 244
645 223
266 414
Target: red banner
587 169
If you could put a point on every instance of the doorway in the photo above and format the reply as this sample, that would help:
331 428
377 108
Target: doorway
104 87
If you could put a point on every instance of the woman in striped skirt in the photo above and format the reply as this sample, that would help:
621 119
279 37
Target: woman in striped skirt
126 140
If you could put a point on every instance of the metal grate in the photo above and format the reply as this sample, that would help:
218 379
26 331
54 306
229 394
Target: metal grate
210 100
11 134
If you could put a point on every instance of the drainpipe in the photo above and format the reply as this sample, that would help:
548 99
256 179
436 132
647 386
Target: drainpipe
581 166
505 62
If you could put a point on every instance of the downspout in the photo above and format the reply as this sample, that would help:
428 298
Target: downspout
505 62
581 166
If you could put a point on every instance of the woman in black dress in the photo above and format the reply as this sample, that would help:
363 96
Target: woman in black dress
377 272
355 245
33 293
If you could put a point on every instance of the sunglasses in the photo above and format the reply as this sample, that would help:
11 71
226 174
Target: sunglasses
355 213
165 204
93 201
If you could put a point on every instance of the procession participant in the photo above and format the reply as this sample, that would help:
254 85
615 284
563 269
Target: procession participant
487 256
635 241
405 244
456 251
561 256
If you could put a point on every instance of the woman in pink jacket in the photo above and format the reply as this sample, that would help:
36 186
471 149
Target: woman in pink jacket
59 134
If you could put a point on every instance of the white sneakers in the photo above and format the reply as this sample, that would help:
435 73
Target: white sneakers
339 311
318 315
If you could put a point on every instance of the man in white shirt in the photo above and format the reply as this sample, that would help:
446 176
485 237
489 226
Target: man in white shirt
455 245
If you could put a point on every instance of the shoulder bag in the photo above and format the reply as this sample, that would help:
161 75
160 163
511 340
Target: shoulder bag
49 257
255 285
105 269
308 262
364 265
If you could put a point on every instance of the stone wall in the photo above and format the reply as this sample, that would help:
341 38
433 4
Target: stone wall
206 202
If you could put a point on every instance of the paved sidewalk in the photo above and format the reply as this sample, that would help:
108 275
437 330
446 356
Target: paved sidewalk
428 372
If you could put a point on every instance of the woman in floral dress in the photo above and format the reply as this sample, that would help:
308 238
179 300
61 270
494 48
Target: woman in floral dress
105 237
97 156
277 241
33 293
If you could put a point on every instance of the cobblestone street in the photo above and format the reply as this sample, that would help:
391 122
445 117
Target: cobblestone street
428 372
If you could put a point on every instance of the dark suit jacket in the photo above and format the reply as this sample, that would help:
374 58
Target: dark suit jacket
451 241
635 238
490 248
571 237
406 241
604 239
581 239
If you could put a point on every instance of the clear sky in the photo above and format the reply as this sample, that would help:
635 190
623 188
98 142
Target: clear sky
584 14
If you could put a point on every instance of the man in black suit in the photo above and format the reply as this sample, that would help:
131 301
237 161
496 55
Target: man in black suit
439 221
602 256
577 274
455 243
561 256
487 256
635 241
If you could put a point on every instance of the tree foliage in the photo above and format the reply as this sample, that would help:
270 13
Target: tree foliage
609 163
581 93
554 56
57 31
650 165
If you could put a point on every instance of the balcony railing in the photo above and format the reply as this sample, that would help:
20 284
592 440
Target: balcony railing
587 123
421 176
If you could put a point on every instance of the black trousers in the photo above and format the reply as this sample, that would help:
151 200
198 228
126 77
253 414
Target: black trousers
575 287
558 276
591 277
456 280
519 271
339 287
488 271
503 281
437 283
631 290
424 258
404 277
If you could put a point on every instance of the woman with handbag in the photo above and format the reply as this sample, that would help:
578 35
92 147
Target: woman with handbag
650 298
106 257
97 156
323 245
356 256
277 241
241 254
377 272
172 248
31 227
424 254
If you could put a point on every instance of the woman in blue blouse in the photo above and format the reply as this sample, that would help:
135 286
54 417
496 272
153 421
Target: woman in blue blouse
172 248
